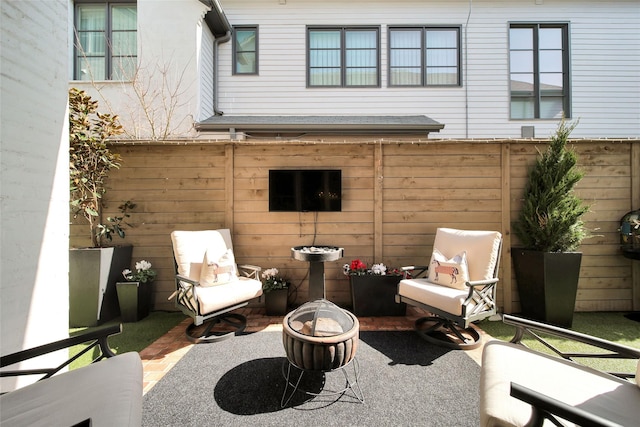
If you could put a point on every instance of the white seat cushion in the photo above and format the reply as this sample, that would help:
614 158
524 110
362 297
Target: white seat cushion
502 363
109 392
442 297
214 298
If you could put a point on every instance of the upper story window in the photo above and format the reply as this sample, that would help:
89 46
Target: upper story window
106 40
343 57
539 71
245 50
424 56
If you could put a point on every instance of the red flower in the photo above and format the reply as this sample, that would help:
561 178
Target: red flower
356 264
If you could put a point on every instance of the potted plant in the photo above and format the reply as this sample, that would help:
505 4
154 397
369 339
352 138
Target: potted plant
93 271
276 292
550 229
134 295
373 290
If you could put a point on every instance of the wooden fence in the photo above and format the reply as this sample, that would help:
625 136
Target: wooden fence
395 195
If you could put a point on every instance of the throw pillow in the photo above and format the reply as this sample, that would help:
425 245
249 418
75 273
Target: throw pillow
218 270
452 272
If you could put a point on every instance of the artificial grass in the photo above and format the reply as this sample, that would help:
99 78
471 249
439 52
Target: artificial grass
612 326
135 336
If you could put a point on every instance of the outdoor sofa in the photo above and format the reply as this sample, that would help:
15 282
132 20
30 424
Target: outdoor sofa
523 387
107 393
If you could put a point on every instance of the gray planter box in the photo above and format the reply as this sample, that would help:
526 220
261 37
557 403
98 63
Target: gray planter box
134 299
93 273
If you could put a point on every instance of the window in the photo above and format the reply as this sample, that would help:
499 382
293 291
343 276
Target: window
539 71
106 40
245 50
343 57
424 56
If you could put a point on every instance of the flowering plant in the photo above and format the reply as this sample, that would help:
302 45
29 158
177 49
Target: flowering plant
359 268
272 281
144 273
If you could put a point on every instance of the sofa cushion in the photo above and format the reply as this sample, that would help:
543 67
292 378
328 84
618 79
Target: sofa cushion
108 392
502 363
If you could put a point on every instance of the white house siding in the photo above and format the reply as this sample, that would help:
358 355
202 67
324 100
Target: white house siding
168 42
604 64
205 71
34 301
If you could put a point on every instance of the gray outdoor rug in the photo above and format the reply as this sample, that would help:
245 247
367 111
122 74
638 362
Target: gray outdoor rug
405 381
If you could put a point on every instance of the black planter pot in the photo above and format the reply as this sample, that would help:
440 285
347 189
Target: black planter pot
275 302
134 299
375 296
93 273
547 284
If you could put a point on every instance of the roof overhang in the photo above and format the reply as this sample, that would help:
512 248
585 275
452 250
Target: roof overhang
216 19
326 125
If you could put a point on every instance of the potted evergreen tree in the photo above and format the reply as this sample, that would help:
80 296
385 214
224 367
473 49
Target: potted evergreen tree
94 270
550 229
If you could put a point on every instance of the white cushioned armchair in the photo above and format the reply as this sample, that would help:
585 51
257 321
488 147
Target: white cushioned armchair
459 289
210 285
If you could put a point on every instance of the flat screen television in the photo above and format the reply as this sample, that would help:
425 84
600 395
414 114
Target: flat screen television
305 190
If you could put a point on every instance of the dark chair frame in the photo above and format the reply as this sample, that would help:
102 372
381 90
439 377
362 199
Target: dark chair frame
97 339
187 301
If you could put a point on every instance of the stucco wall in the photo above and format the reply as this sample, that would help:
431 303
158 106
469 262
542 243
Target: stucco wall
34 195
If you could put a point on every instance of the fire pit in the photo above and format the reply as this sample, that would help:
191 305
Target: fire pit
321 337
316 256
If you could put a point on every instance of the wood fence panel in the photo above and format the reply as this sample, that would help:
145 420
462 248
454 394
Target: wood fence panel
395 195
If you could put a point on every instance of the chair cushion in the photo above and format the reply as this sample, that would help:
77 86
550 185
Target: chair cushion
502 363
218 269
189 248
441 297
482 248
109 392
452 272
215 298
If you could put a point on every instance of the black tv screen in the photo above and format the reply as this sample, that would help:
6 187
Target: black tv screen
307 190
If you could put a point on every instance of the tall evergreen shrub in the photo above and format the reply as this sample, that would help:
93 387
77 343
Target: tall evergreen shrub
550 219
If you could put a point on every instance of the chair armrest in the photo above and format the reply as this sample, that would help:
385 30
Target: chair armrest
97 338
252 271
187 280
482 282
409 269
545 407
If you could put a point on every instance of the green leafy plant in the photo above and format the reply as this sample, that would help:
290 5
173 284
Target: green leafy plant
550 219
90 162
272 281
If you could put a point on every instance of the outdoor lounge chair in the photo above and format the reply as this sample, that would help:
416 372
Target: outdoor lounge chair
209 284
523 387
105 393
460 286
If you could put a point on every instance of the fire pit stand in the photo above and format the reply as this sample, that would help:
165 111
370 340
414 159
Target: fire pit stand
320 337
